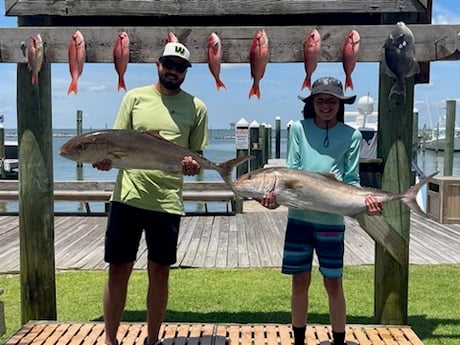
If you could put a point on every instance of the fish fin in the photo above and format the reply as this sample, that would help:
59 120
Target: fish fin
414 69
153 133
328 175
225 169
254 91
220 84
410 197
292 184
73 87
348 82
119 154
121 84
34 79
306 83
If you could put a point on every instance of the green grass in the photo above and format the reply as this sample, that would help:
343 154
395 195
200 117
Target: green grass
255 296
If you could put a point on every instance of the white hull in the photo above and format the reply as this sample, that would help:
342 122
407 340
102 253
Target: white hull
439 144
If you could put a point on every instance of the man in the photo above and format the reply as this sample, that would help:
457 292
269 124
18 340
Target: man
151 200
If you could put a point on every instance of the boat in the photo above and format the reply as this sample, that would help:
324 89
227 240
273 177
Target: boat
437 140
9 164
366 121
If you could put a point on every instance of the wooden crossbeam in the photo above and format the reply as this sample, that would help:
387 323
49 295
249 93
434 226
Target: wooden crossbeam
433 42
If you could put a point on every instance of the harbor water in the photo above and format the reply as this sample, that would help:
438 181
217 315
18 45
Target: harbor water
222 147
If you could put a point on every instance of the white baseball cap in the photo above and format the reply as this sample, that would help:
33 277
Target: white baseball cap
177 49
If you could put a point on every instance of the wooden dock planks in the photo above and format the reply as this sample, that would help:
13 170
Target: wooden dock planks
253 239
54 333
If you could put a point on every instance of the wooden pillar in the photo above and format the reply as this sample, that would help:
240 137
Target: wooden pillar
36 209
278 137
450 133
395 148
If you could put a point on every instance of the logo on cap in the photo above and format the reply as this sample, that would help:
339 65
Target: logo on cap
180 50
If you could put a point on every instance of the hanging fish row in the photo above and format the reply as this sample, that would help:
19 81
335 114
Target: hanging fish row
399 62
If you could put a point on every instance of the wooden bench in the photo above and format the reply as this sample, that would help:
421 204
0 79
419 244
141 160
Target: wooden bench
101 191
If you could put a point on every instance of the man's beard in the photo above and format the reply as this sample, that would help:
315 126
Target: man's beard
169 84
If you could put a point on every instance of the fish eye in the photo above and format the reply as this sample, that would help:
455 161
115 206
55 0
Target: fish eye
82 146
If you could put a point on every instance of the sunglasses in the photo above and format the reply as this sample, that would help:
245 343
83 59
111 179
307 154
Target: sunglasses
169 64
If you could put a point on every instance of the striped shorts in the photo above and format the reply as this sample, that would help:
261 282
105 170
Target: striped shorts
302 238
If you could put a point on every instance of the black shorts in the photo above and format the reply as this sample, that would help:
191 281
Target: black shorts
124 230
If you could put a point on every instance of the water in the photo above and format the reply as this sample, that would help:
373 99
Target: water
222 147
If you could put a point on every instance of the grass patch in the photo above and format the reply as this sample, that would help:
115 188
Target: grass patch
255 296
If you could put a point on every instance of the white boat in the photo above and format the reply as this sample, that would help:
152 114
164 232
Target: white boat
366 121
437 141
9 167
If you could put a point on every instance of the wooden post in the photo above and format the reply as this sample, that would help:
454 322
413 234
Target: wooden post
395 147
450 132
277 137
242 150
79 129
2 146
242 145
36 208
254 146
263 143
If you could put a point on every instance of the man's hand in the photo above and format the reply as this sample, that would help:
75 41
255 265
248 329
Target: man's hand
104 164
374 206
190 167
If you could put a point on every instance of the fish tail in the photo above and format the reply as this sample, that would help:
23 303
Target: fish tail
34 79
398 88
254 91
121 84
220 84
410 197
73 87
348 82
306 83
225 169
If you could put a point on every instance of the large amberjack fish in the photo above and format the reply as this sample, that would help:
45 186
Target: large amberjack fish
311 51
35 56
215 58
131 149
318 191
400 60
350 51
121 58
258 59
77 56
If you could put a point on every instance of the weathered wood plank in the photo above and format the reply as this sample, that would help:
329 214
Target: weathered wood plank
201 7
433 42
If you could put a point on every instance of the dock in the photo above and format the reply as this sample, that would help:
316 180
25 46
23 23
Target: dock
250 239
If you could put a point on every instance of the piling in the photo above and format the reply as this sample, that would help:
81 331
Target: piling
450 132
277 137
79 130
254 146
242 145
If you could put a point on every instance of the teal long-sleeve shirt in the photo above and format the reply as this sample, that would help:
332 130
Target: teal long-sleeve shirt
314 149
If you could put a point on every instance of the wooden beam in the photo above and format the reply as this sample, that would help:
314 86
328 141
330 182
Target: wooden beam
433 42
200 7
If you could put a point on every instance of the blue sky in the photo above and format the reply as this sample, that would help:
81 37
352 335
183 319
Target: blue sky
99 99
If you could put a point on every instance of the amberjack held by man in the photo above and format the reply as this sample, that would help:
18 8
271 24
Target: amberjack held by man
132 149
